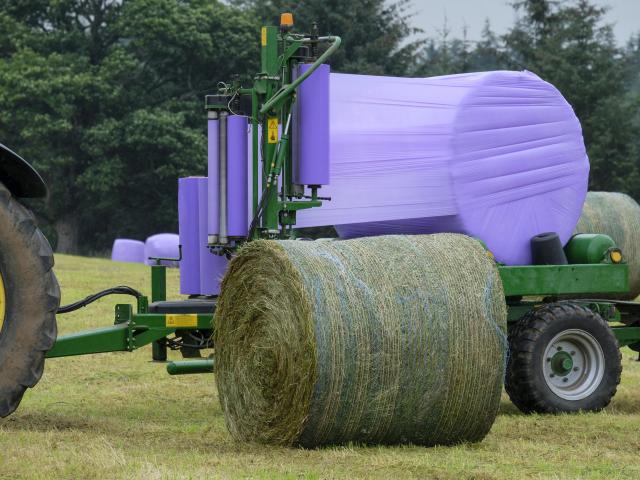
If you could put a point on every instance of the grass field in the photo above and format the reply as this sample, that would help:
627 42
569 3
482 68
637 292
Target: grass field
120 416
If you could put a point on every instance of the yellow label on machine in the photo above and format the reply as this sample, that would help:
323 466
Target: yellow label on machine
272 130
264 36
182 320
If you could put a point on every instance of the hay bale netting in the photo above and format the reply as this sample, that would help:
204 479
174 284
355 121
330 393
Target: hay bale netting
616 215
389 339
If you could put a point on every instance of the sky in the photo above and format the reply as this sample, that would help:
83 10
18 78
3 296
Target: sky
430 15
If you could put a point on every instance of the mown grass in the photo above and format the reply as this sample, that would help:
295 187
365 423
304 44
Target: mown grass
121 416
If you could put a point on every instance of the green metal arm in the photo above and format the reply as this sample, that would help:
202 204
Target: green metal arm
129 334
287 90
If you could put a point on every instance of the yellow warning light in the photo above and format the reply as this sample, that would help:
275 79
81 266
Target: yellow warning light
286 20
615 256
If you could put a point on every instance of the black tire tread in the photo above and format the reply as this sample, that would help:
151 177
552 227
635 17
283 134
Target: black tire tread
22 360
523 337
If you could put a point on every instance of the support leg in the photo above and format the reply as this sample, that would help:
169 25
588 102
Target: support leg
159 351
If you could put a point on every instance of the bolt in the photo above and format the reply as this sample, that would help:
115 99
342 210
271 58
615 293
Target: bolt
575 369
565 379
573 352
552 375
559 348
548 359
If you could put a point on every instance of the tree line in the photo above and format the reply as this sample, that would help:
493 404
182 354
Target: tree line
105 97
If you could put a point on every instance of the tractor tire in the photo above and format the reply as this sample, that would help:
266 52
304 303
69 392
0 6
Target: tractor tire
29 299
563 358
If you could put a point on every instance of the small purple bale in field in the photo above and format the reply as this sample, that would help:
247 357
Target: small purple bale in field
162 245
127 250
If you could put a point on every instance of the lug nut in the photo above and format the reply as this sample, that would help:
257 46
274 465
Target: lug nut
573 353
575 369
559 348
565 379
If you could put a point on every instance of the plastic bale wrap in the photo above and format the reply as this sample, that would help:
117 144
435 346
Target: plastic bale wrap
495 155
390 339
616 215
162 245
127 250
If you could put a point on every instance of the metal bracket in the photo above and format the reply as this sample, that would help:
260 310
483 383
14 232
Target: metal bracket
158 260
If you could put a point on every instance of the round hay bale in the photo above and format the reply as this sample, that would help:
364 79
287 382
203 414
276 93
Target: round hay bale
390 339
616 215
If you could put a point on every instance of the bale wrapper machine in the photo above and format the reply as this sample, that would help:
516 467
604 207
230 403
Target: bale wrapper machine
564 329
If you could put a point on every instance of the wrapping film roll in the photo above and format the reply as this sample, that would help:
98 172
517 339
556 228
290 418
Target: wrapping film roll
212 266
311 164
213 166
237 171
188 218
495 155
200 270
236 168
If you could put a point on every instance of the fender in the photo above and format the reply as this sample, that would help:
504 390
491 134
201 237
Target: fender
19 176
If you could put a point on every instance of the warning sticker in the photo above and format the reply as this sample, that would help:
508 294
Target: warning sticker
272 130
182 320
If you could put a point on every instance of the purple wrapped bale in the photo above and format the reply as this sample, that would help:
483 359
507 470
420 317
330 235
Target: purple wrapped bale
189 231
211 267
237 175
162 245
312 136
127 250
495 155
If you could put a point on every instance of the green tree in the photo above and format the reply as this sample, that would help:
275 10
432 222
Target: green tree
377 35
570 45
632 60
488 53
446 55
104 97
443 55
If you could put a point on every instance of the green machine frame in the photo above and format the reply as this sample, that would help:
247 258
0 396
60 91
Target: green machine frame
135 328
272 98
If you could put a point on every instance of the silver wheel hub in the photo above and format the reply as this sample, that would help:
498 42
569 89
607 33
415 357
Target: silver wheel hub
573 364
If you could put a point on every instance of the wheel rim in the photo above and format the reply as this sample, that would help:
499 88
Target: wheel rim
573 364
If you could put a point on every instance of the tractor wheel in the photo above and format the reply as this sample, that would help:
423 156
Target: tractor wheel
29 299
563 358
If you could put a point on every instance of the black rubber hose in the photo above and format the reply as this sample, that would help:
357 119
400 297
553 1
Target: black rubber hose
119 290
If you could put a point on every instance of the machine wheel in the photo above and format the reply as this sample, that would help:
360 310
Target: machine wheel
29 299
563 358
